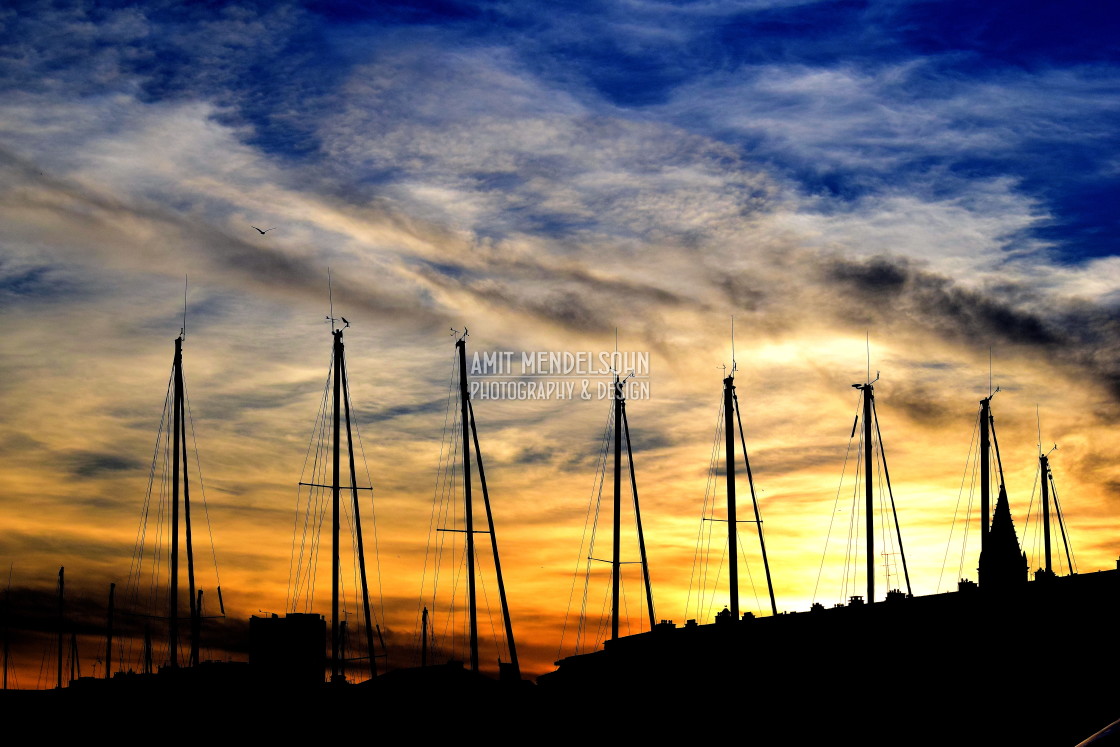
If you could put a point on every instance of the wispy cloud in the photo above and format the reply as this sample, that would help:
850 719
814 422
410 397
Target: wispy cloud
823 171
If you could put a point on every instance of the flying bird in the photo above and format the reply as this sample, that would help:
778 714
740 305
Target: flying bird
262 232
345 320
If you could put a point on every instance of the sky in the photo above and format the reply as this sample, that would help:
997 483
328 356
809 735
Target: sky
922 189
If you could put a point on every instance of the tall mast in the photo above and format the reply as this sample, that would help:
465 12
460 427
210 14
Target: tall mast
424 639
196 630
985 471
179 447
336 669
1044 466
869 507
109 636
7 618
193 661
61 588
616 561
148 648
464 403
732 527
342 646
173 596
75 664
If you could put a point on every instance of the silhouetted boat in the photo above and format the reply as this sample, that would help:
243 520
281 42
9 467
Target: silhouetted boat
288 652
1006 661
450 677
150 679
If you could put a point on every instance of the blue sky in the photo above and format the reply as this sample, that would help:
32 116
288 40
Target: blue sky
840 102
941 178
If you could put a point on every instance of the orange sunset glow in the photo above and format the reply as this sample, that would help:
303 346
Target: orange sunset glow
851 220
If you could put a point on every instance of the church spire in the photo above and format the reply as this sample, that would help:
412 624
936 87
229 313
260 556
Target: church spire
1002 563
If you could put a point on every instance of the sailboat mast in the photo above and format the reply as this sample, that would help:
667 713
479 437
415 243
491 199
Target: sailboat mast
109 635
177 427
148 649
75 664
464 403
1044 466
616 560
732 526
7 625
869 508
985 471
336 670
424 638
197 632
61 589
494 545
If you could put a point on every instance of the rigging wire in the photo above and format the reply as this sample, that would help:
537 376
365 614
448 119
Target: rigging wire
201 484
835 508
310 516
445 519
968 519
956 508
754 587
709 497
598 496
1071 559
851 551
373 515
715 584
290 602
709 591
486 605
442 465
298 577
886 538
1039 525
448 516
588 523
141 532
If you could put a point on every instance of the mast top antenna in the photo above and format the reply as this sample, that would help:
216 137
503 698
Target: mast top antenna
330 298
1038 423
990 392
462 335
734 365
867 344
183 329
616 358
